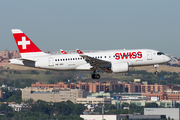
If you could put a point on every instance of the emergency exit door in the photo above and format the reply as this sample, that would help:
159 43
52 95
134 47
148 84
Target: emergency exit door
149 55
50 61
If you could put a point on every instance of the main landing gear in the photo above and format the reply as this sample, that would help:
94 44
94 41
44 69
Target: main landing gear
95 75
156 72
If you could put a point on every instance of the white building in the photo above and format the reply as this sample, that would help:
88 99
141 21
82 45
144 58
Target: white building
173 113
123 116
99 117
19 107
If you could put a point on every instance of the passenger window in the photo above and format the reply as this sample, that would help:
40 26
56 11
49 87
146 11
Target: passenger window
55 59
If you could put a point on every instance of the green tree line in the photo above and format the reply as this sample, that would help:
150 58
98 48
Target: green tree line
46 110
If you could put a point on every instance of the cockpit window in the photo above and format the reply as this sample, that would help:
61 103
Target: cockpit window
160 53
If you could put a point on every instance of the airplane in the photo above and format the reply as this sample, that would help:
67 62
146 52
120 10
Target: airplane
62 51
110 61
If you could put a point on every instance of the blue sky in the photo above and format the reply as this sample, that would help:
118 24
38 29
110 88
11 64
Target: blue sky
93 25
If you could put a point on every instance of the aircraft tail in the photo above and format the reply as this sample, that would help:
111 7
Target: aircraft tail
62 51
79 51
26 47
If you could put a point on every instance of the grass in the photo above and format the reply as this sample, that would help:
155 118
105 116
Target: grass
57 76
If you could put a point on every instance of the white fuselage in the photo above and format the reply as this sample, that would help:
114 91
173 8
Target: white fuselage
135 57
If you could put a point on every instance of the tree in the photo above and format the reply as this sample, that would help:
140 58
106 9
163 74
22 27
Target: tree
5 107
70 105
125 104
125 111
133 106
30 101
177 105
111 107
14 98
10 114
81 118
79 108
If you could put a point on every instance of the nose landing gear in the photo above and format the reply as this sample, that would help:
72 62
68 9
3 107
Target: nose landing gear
95 75
156 72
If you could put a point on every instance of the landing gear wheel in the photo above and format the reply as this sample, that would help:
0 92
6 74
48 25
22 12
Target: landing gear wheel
95 76
156 73
98 76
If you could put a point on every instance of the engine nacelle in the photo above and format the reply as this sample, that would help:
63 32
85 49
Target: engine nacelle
119 67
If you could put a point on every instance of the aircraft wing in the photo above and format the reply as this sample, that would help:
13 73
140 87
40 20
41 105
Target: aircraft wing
97 63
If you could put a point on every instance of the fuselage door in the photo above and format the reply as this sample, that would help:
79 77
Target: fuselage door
149 55
50 61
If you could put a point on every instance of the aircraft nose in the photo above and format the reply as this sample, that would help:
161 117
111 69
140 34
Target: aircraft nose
167 59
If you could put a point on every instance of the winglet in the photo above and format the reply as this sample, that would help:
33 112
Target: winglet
79 51
62 51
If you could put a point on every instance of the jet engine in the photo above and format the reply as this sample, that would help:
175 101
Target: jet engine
119 67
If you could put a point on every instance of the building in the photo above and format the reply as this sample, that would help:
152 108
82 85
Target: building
103 117
113 86
94 100
1 94
163 103
93 87
101 95
19 107
153 88
96 87
173 113
6 55
53 95
163 95
123 116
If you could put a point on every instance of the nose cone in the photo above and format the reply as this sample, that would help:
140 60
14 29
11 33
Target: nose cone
167 58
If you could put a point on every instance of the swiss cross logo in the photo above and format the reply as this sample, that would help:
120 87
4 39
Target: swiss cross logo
24 43
79 52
